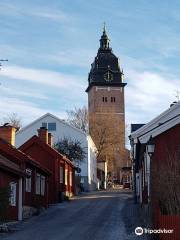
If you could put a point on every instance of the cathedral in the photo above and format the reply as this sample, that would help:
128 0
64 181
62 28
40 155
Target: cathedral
106 110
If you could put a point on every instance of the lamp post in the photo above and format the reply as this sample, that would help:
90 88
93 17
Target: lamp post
150 147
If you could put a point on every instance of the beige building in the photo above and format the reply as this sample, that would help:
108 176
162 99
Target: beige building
106 109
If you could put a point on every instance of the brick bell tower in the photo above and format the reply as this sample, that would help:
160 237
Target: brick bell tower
106 108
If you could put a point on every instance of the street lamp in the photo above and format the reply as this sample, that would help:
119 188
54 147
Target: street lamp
150 146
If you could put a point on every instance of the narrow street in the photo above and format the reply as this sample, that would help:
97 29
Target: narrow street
93 216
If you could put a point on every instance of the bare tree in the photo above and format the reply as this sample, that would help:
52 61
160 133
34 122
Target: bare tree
107 133
78 117
105 130
14 120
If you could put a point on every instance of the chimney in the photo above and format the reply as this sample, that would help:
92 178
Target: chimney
43 134
50 139
7 133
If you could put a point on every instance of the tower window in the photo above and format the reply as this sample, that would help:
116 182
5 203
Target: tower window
113 99
104 99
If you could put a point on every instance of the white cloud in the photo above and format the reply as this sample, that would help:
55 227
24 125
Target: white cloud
54 15
74 57
41 76
21 92
27 111
148 94
41 12
24 109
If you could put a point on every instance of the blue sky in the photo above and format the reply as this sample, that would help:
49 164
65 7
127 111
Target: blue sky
51 44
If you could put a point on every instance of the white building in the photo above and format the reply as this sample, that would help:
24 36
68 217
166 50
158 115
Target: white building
142 159
61 129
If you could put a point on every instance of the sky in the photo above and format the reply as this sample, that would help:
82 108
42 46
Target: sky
50 46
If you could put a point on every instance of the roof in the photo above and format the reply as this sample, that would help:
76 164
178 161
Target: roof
135 127
105 70
158 125
10 166
19 157
46 147
53 116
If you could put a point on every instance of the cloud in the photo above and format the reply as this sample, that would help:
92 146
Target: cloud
13 10
148 94
74 57
26 110
21 92
41 76
54 15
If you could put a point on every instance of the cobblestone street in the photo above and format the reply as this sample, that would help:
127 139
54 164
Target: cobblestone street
93 216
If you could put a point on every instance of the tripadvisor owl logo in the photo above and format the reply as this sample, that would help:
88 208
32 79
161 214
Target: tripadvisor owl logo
139 231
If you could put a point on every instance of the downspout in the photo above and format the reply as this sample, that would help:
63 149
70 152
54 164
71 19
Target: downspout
20 208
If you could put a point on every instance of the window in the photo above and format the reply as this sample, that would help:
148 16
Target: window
52 126
43 185
104 99
44 125
38 183
61 175
70 179
66 176
28 180
113 99
12 199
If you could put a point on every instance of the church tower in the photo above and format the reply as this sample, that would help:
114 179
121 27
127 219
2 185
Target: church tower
106 108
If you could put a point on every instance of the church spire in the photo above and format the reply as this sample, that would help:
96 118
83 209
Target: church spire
104 41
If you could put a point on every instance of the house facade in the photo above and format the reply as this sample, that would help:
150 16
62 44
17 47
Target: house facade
155 150
23 175
11 180
61 182
60 130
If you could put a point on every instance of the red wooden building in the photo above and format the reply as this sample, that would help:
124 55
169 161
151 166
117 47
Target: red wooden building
62 180
11 177
166 182
156 158
27 179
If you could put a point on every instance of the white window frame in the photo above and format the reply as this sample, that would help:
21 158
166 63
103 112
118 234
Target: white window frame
55 125
61 174
28 180
38 184
43 184
13 189
66 177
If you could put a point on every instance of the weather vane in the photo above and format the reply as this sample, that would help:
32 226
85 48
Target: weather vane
177 95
